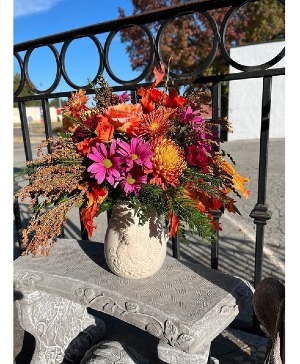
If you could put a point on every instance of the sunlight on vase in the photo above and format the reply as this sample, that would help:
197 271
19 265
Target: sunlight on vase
131 250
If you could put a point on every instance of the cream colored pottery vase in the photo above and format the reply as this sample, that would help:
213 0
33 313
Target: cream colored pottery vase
131 250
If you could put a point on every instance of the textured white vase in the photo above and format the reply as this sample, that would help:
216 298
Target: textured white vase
131 250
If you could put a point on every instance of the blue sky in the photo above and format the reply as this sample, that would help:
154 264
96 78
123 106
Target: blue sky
38 18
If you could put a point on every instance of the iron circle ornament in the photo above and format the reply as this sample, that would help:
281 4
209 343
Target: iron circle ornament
22 80
208 60
226 55
58 73
63 56
148 67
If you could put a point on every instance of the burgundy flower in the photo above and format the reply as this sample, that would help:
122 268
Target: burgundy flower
196 157
92 122
81 133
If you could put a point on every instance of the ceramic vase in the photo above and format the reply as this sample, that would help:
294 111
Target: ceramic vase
133 250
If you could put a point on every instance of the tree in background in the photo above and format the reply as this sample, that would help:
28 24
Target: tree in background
188 39
26 91
58 103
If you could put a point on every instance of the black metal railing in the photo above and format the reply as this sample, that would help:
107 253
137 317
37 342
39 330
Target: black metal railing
58 44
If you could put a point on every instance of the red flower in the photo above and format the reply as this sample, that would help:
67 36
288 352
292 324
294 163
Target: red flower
196 157
175 99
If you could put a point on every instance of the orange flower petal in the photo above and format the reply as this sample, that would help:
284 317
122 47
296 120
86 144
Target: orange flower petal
174 222
159 75
95 197
238 181
104 129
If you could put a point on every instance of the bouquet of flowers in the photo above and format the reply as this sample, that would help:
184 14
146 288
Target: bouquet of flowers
158 154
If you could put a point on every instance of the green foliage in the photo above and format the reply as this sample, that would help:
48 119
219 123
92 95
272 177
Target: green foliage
57 103
26 91
199 224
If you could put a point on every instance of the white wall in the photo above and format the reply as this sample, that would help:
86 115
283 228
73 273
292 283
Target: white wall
34 115
245 96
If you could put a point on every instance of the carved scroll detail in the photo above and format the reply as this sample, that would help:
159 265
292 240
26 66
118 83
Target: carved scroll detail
165 330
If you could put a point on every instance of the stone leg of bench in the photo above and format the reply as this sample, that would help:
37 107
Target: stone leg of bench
173 355
62 329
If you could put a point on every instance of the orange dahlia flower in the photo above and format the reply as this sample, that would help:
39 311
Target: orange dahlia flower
122 116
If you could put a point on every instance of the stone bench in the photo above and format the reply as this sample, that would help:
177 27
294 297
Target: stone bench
185 306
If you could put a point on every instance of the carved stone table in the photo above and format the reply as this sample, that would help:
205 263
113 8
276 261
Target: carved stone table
185 306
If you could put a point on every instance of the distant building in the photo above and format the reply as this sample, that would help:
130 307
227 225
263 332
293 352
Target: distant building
35 115
245 96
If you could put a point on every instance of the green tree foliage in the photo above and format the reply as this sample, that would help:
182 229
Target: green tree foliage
26 91
57 103
266 22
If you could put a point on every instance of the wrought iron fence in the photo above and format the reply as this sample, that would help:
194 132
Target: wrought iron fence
58 45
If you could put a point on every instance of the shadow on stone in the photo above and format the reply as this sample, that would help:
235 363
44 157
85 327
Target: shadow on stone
236 347
140 341
24 344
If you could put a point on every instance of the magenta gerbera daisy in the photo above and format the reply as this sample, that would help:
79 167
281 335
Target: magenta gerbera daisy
107 165
191 117
133 180
137 152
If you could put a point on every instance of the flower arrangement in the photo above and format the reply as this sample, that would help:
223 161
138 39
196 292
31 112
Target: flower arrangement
158 154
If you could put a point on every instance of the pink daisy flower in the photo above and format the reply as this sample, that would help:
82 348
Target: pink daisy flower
106 164
138 152
132 181
189 116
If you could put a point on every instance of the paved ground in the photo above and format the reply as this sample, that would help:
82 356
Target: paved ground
237 245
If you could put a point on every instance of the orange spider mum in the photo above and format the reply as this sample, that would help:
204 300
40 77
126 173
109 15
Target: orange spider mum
77 103
168 162
157 122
